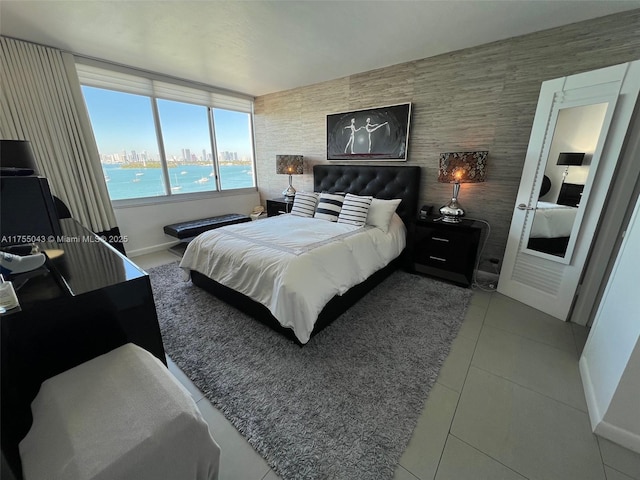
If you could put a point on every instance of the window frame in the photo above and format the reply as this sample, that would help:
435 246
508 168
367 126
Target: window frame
97 74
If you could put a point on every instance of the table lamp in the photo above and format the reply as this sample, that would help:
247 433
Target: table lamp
289 165
457 168
569 159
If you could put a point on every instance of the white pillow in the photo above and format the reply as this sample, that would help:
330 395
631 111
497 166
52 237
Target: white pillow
354 210
304 204
380 213
329 206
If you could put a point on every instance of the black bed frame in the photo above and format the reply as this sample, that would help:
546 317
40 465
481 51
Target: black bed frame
385 182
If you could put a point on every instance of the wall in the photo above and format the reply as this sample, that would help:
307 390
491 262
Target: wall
143 225
610 361
481 98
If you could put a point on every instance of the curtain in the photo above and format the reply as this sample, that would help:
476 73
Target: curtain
41 101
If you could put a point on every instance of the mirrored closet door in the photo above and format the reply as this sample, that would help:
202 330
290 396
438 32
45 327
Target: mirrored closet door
577 135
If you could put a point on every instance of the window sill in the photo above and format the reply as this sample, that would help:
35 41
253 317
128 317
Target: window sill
177 198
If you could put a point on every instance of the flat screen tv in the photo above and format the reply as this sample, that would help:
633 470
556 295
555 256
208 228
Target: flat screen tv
380 133
27 211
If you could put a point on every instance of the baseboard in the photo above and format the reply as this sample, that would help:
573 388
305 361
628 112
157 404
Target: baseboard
487 278
601 428
619 435
152 249
595 416
179 249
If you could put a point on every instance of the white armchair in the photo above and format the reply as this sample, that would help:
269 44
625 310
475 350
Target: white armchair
121 415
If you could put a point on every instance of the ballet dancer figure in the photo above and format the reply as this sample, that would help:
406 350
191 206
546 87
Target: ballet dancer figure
352 135
372 127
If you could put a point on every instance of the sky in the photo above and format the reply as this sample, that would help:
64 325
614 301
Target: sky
124 121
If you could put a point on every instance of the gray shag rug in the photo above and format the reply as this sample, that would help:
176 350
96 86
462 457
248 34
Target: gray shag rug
344 406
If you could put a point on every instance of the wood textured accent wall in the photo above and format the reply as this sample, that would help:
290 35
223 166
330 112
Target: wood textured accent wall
480 98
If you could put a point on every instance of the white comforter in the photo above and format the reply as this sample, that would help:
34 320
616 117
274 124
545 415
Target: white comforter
552 220
294 265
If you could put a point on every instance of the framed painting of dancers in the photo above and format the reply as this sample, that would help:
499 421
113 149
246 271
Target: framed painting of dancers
380 133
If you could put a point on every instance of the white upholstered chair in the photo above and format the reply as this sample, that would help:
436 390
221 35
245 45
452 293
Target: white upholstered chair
121 415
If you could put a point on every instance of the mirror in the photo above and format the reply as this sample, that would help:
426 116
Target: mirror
562 191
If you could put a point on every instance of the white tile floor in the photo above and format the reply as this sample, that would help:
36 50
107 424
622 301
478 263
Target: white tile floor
508 404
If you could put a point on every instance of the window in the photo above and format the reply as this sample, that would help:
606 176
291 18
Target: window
233 137
187 146
159 139
126 137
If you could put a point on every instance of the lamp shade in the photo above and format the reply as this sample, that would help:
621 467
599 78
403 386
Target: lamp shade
462 167
16 158
289 164
569 158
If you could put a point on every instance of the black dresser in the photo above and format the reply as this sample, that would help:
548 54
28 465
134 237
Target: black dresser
89 300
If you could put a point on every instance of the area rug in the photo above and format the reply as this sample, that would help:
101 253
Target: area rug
344 406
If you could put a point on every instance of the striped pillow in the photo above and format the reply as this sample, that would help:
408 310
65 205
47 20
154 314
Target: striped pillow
329 206
304 204
354 210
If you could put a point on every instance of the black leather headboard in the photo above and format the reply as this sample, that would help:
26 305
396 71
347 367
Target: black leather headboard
386 182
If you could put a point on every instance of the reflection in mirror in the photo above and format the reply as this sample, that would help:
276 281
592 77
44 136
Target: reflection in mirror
566 173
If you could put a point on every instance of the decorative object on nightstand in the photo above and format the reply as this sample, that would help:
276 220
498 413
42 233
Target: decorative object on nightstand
568 159
258 211
457 168
278 206
289 165
446 250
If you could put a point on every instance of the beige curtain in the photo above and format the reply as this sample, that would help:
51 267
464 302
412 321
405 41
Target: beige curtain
41 101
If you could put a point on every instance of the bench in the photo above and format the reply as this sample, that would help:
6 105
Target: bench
187 231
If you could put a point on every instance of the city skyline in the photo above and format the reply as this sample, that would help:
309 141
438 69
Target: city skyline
126 120
132 156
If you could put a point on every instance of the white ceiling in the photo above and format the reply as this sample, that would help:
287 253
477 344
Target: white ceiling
259 47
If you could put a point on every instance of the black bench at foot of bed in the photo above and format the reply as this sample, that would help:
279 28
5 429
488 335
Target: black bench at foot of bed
187 231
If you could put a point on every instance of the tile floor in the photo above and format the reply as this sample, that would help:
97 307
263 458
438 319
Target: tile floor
508 405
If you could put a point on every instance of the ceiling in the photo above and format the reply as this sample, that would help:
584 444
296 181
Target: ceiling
260 47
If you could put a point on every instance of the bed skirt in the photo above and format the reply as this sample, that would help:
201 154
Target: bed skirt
332 310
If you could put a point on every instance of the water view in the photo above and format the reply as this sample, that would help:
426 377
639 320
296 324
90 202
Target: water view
126 183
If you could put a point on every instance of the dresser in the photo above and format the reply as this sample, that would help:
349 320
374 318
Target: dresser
89 300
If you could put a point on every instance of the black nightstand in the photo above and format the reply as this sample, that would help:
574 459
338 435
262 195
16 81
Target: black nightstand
446 250
570 194
278 206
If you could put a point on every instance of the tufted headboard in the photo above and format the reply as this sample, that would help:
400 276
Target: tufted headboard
386 182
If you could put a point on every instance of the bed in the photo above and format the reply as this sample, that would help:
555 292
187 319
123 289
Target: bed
254 285
551 227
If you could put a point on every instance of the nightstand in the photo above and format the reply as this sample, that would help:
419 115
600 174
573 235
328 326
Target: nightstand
446 250
278 206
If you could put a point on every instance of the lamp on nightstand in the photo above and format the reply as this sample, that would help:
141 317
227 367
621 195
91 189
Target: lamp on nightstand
289 165
568 159
457 168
